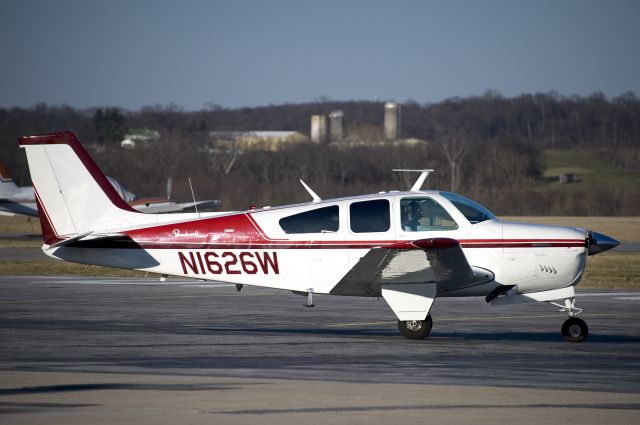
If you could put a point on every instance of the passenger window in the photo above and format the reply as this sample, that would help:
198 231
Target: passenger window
314 221
423 214
370 216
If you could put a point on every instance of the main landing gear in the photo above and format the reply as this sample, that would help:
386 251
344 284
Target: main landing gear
415 329
573 329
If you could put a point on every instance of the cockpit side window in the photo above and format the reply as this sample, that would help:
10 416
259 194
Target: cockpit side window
315 221
424 214
472 211
370 216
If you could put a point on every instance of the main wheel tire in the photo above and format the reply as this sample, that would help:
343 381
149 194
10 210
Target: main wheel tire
575 330
415 329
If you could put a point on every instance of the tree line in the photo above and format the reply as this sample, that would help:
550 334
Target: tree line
487 147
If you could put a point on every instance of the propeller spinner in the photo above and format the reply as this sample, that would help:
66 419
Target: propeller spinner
598 242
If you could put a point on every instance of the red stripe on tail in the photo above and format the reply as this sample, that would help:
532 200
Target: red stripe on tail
49 235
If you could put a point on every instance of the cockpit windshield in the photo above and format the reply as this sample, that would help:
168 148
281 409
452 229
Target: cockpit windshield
473 211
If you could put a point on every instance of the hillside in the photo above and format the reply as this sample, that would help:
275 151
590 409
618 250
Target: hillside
499 151
591 170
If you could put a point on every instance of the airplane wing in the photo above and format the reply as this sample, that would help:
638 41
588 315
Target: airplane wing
11 208
157 206
436 260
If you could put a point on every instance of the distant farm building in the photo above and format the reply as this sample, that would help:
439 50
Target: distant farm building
391 121
336 126
138 136
319 129
255 140
331 129
568 178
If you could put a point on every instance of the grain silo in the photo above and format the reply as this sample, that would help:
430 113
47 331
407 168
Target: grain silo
336 126
391 121
318 128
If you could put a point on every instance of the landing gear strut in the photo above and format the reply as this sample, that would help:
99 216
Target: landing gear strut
573 329
415 329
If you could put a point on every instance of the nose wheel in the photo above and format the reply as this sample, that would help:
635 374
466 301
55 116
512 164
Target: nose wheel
573 329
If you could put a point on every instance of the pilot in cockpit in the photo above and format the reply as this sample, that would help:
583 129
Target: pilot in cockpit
411 215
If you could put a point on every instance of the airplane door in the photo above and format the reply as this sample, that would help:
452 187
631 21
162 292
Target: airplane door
369 224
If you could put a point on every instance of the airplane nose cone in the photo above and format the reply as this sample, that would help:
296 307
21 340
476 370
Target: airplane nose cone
597 243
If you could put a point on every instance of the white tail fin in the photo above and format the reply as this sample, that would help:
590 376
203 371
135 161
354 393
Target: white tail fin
73 195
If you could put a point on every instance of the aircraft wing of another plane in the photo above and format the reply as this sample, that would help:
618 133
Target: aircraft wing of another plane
436 260
10 208
15 199
158 205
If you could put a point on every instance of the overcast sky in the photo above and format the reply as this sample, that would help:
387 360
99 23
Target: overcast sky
256 52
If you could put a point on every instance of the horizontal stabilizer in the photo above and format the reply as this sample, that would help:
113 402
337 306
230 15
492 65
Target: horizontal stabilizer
88 236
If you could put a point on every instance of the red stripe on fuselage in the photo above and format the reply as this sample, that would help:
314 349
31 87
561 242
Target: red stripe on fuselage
344 245
235 229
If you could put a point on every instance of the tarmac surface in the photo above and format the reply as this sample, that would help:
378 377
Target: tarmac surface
107 350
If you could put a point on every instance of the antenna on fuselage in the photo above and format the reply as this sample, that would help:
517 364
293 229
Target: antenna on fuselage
314 195
195 205
418 184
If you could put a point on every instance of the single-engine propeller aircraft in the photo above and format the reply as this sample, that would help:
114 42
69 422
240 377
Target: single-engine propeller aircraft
408 247
14 199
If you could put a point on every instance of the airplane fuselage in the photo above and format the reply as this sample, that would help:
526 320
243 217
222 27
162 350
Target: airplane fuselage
265 248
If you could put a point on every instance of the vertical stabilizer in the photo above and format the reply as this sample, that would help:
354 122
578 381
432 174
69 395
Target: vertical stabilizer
72 193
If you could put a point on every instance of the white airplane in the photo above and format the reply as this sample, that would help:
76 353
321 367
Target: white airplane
160 205
408 247
14 199
21 200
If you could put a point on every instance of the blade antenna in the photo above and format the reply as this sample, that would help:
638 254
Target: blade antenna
314 195
169 186
194 198
418 184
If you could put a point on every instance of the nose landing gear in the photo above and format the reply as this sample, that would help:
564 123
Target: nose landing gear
573 329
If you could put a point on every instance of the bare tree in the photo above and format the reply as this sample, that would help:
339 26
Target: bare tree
455 147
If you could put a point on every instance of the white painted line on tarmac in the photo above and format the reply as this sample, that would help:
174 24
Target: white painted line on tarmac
189 283
120 282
